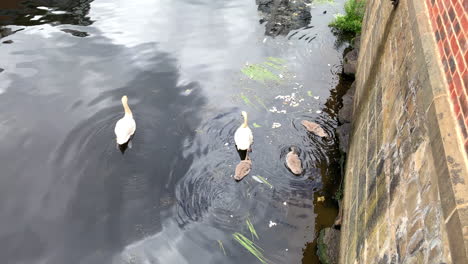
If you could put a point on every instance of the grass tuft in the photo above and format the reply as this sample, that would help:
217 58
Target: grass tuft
351 21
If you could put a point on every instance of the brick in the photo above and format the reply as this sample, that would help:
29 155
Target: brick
441 49
464 22
451 13
451 63
456 26
453 93
454 45
447 23
462 42
460 63
459 9
465 77
461 124
456 107
447 48
463 104
458 86
439 22
435 11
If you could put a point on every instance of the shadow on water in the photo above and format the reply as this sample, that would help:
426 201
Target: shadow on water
126 191
76 197
331 173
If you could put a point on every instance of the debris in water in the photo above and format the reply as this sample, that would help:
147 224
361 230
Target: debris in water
262 180
271 224
222 247
314 128
275 110
285 203
318 112
256 125
321 199
231 216
309 93
257 179
226 144
264 40
316 97
276 125
281 75
290 100
251 228
286 249
187 91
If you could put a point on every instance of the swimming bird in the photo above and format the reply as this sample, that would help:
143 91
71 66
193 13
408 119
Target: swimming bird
243 136
243 168
293 162
314 128
125 127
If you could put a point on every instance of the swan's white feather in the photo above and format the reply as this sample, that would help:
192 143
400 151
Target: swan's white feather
124 129
243 138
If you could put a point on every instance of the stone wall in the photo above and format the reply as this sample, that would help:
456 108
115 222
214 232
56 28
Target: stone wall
406 198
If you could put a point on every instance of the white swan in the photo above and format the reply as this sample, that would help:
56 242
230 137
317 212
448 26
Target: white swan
243 136
125 127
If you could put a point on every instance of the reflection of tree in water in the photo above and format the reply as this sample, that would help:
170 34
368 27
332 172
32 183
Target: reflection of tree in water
99 200
21 12
282 16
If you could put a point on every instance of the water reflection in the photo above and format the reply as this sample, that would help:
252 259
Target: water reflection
38 12
69 196
282 16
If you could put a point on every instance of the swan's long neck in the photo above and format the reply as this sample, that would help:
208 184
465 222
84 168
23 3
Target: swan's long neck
127 110
245 120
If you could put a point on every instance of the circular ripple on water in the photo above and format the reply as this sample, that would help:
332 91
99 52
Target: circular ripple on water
208 192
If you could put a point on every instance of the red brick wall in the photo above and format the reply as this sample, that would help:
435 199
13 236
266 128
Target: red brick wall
449 19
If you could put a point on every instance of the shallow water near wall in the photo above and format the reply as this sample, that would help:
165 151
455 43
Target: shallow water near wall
68 195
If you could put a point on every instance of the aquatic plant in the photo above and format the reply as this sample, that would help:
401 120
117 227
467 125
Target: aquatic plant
251 228
250 246
263 180
351 21
222 247
262 72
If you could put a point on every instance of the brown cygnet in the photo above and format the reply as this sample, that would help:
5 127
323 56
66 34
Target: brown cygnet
314 128
243 169
293 162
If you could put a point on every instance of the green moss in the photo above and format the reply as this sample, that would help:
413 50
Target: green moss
322 248
351 21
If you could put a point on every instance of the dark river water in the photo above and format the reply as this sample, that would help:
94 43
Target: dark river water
68 195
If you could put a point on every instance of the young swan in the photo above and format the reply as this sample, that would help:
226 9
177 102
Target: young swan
243 135
293 162
125 127
243 168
